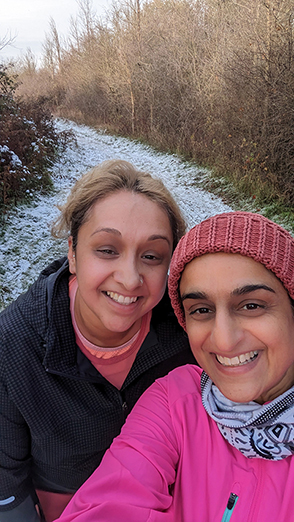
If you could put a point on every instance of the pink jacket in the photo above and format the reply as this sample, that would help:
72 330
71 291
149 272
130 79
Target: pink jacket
171 463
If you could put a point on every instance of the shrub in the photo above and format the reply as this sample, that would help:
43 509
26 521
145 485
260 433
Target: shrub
28 143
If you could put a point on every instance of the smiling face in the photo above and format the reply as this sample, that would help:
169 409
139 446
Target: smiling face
121 261
240 325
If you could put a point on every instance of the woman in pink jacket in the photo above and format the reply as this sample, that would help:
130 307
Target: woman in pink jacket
215 445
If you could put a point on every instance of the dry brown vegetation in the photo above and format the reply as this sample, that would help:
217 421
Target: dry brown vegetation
210 79
28 144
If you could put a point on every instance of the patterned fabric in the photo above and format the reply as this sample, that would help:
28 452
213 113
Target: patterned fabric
263 431
244 233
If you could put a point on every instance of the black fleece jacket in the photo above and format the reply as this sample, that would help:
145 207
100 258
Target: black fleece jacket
58 414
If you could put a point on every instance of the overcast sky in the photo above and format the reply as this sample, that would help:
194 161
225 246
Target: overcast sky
28 21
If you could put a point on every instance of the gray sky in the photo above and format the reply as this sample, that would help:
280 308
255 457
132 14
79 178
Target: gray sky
28 21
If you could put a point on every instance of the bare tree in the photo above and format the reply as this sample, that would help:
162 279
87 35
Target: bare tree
6 40
211 78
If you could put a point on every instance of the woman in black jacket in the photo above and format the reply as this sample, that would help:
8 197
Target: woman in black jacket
84 342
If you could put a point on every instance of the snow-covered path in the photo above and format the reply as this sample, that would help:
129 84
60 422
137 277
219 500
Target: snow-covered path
26 245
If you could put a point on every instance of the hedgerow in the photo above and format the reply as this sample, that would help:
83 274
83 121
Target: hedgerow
28 143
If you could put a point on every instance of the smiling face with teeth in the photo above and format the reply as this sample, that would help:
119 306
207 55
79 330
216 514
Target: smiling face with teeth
240 324
121 261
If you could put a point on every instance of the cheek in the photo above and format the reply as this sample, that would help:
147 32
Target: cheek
199 336
157 289
270 335
196 336
157 279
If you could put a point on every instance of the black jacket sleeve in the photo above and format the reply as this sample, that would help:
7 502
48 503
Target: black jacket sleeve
25 512
15 455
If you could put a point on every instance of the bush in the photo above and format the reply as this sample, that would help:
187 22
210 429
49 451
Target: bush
28 143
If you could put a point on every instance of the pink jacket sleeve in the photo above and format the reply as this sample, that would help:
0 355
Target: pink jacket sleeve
132 483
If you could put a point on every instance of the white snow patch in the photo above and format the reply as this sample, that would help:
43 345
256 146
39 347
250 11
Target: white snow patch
26 245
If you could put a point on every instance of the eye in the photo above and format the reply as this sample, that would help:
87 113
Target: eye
152 258
252 306
201 311
106 252
198 312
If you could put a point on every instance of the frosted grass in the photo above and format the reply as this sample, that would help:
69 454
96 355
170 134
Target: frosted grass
26 245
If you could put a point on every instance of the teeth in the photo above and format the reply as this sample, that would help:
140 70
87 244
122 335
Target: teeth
121 299
237 360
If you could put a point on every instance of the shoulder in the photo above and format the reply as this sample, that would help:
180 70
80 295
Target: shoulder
179 402
171 406
28 313
177 385
182 381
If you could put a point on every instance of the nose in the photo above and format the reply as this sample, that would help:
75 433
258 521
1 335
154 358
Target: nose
226 333
128 275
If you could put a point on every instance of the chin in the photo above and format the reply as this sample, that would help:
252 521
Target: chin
239 397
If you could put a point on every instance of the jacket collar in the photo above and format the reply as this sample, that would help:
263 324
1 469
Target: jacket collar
60 357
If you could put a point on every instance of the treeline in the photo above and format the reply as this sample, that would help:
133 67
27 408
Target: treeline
210 79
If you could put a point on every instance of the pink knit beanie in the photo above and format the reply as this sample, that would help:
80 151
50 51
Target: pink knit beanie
244 233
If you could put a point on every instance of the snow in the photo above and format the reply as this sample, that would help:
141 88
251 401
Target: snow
26 245
15 161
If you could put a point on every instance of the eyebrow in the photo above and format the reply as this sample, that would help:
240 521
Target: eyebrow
109 230
194 295
158 236
238 291
252 288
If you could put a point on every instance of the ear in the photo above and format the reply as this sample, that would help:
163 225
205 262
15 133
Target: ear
71 256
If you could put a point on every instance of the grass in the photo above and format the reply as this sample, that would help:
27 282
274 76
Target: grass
241 192
248 192
239 197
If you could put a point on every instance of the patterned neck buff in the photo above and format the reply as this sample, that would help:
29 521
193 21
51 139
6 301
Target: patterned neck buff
257 430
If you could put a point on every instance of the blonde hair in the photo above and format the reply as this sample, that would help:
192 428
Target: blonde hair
104 180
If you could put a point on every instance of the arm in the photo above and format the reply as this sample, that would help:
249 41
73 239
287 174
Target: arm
25 512
132 483
16 490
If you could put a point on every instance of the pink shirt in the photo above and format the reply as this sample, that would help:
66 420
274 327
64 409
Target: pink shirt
114 364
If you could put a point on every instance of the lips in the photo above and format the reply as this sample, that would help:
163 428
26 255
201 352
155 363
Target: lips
238 360
121 299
